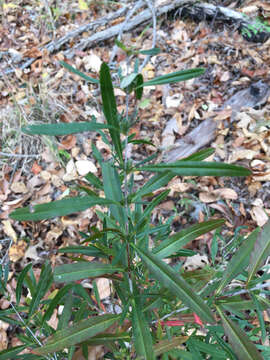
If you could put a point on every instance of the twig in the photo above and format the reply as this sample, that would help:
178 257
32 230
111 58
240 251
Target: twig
18 155
56 44
141 18
154 18
137 6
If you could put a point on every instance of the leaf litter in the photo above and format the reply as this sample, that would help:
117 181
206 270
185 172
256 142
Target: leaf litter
226 99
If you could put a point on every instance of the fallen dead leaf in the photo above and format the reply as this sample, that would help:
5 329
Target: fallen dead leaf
19 188
8 230
85 166
16 251
259 215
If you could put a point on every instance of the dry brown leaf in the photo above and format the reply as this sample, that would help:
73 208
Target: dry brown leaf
259 215
85 166
8 230
195 262
19 188
104 286
16 251
68 142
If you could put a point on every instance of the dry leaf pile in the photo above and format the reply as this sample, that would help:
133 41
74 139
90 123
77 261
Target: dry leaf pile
45 93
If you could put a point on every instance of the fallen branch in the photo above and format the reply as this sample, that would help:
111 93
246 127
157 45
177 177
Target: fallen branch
142 17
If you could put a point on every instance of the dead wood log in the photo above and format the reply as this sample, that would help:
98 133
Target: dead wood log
255 95
141 18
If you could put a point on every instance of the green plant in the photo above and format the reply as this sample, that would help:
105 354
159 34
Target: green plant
146 289
258 30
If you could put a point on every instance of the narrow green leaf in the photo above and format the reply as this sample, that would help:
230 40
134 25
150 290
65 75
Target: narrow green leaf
62 128
138 87
94 180
166 345
58 208
260 252
176 284
55 301
183 237
89 250
141 332
149 208
103 339
83 270
154 183
112 189
239 261
45 281
259 311
127 80
20 282
240 342
198 168
151 52
79 332
109 107
177 76
200 155
77 72
12 353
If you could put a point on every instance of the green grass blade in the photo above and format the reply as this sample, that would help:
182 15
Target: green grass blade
260 252
183 237
62 128
240 342
58 208
79 73
176 284
79 332
239 261
109 108
82 270
198 168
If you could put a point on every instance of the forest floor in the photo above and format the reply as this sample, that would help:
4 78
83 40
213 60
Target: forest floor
39 169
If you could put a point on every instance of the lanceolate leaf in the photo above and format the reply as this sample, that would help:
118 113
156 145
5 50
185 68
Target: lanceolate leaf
58 208
82 270
239 261
183 237
260 252
13 352
141 333
176 284
112 189
62 128
200 155
166 345
109 107
177 76
89 250
43 285
198 168
240 342
77 72
154 183
79 332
